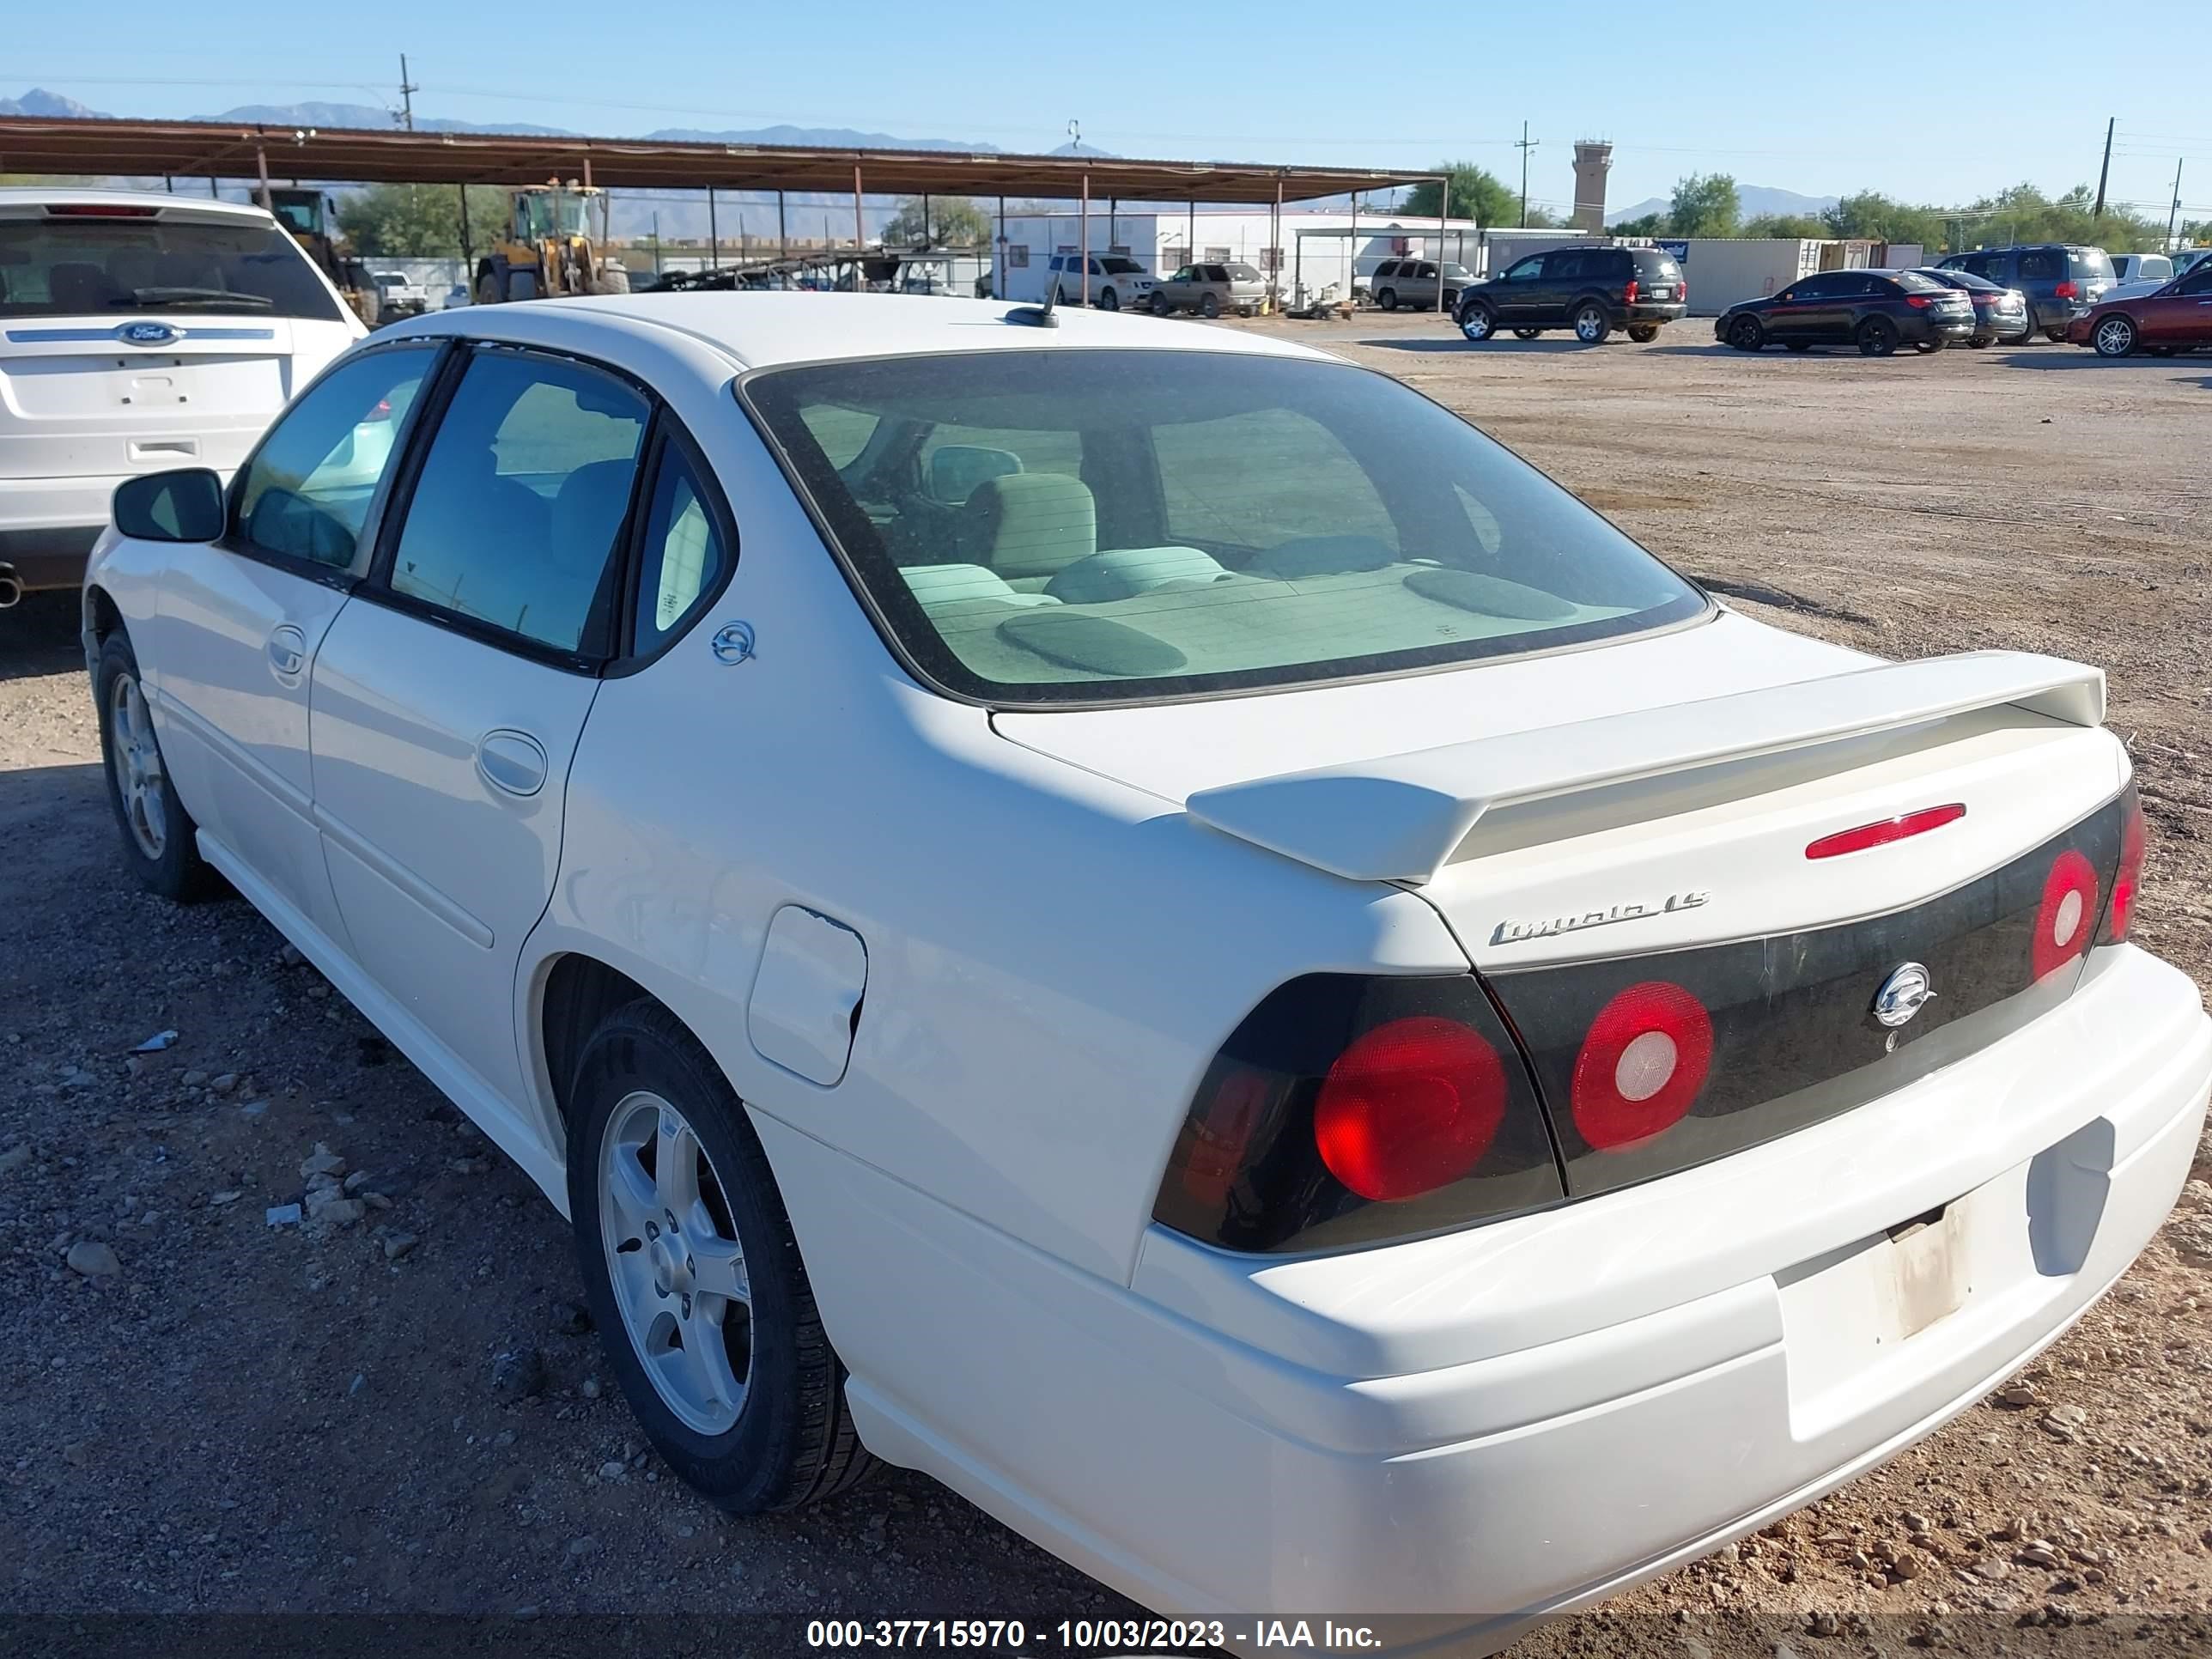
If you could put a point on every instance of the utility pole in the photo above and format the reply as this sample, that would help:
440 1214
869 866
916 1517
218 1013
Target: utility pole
2105 171
407 91
1524 147
2174 213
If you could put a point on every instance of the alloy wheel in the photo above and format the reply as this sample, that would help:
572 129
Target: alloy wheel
2116 338
673 1258
135 758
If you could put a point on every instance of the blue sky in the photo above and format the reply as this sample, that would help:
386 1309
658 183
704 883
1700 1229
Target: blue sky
1820 99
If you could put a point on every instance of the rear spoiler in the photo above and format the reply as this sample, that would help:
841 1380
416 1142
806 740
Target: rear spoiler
1400 817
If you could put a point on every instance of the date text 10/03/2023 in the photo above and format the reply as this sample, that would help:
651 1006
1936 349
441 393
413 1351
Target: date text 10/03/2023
1097 1636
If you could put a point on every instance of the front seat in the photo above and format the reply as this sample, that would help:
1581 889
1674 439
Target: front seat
1031 525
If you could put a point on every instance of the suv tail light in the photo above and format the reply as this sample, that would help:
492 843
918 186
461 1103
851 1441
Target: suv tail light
1349 1109
1628 297
2127 880
2066 290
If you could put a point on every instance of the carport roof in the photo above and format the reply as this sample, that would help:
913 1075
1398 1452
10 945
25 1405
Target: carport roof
368 155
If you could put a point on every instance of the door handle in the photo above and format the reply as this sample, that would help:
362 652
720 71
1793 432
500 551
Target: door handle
513 762
287 649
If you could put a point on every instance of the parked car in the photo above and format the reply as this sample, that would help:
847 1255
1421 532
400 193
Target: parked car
2153 268
1161 1000
1116 280
138 329
1211 288
2000 313
2177 317
2059 281
1412 283
1592 290
2187 259
1876 311
458 294
396 296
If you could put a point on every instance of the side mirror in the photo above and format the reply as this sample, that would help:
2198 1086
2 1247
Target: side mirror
183 506
957 471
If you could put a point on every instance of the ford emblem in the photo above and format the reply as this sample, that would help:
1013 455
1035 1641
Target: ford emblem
1903 994
147 334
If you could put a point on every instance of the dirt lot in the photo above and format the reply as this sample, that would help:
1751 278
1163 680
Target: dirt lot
246 1418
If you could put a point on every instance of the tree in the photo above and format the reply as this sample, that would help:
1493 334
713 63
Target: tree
1786 227
1476 194
1651 224
1705 204
952 220
1870 216
420 221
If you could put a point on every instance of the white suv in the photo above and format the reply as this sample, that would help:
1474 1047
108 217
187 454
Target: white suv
138 332
1116 280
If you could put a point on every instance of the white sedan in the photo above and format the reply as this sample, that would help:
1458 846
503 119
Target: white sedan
1144 921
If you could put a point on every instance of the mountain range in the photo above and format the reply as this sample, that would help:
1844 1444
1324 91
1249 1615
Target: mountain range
1755 201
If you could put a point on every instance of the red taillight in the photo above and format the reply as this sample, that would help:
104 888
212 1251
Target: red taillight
1886 832
1409 1107
1682 293
2067 918
1642 1064
1628 297
99 210
1221 1137
1917 301
2129 877
2066 290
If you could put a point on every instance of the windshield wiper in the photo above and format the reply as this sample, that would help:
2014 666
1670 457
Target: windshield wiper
143 298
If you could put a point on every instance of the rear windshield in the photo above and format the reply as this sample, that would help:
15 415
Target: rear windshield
1038 527
1244 274
1656 265
1913 282
2089 262
77 267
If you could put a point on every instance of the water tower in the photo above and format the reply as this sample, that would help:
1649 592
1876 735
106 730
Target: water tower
1593 161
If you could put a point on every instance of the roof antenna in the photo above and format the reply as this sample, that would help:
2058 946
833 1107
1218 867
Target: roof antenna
1039 316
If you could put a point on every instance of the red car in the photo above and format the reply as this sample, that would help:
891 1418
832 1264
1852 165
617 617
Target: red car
2176 318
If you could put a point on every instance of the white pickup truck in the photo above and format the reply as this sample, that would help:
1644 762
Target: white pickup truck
397 297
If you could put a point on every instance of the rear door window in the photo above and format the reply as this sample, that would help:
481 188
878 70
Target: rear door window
682 555
106 261
306 493
527 484
2041 265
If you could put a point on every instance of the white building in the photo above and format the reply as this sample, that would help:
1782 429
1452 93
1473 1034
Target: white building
1314 249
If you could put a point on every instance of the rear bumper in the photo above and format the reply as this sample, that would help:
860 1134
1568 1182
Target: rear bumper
1651 312
49 558
1498 1425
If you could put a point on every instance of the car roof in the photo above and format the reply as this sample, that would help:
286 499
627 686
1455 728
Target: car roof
761 328
202 208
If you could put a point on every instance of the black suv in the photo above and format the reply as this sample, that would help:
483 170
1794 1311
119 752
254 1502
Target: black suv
2059 281
1591 290
1876 311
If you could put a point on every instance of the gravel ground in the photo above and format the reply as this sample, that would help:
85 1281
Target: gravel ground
406 1413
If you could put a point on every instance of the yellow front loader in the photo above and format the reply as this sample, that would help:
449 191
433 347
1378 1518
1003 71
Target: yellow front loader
547 249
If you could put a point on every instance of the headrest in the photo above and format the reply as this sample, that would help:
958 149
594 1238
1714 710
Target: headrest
1034 524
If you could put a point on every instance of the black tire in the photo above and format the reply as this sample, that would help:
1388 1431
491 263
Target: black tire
1527 333
1209 305
1877 338
1980 343
1593 323
1478 322
1926 348
2116 337
161 844
1643 333
1387 299
2056 336
1161 306
1108 300
1747 333
793 1440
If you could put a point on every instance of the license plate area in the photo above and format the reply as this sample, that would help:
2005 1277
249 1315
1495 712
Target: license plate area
1852 1310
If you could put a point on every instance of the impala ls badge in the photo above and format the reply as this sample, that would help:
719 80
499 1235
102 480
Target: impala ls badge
1903 994
1518 932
